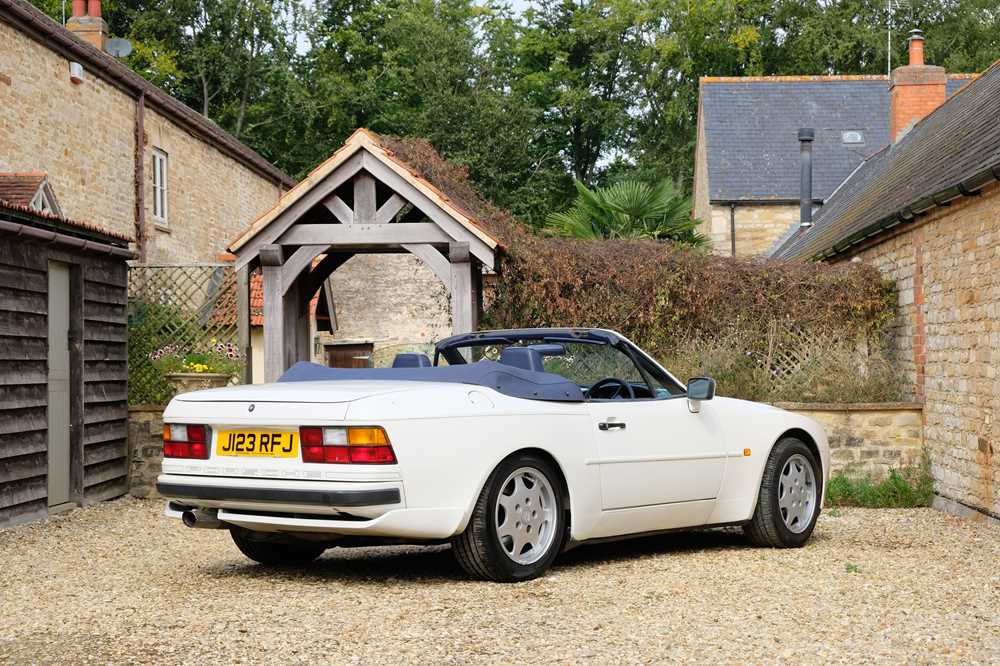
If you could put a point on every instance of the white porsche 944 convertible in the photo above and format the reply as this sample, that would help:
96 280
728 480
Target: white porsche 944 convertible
512 445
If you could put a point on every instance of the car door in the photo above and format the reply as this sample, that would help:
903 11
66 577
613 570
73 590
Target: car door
655 451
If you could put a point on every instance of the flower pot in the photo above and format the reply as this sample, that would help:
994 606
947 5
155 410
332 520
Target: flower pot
184 382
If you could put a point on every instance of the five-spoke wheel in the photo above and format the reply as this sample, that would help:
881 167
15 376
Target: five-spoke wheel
789 497
797 493
525 515
518 523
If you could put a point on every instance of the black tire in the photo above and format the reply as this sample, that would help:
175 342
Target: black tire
266 551
478 549
767 527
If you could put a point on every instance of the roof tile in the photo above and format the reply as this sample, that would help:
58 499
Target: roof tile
20 189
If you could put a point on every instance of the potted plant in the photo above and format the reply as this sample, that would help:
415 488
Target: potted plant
188 370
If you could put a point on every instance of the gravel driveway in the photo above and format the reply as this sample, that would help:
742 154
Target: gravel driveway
118 583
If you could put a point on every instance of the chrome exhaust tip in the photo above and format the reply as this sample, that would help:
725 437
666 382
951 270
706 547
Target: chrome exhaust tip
196 518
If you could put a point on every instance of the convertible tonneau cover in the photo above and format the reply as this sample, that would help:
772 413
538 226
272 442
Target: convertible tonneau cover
505 379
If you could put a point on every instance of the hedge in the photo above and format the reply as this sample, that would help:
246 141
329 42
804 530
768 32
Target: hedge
655 292
668 298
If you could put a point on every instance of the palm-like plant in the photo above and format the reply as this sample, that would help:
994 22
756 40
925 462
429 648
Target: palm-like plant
629 209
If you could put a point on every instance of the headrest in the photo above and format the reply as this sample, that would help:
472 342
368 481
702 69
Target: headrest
525 358
411 360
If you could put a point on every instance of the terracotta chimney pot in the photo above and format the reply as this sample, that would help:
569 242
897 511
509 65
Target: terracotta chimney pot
94 8
916 48
79 7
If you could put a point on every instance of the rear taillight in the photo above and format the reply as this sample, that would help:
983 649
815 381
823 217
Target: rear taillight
367 445
185 441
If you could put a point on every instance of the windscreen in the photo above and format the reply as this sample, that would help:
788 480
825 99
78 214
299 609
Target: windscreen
607 371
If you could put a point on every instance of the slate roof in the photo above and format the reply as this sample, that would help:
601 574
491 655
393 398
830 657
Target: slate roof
751 125
953 151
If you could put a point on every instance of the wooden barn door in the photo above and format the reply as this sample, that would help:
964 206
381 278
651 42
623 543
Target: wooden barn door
58 380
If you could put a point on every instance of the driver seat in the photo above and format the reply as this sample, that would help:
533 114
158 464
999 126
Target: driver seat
525 358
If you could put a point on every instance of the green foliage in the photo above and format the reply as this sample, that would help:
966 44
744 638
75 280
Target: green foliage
217 357
629 209
161 340
902 488
595 91
151 327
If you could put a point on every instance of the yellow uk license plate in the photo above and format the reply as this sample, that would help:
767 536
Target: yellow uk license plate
268 444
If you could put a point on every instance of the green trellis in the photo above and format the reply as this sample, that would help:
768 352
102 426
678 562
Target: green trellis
188 306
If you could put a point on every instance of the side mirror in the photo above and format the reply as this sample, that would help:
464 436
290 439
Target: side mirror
699 389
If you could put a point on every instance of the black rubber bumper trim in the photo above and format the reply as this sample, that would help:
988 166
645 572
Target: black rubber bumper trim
313 497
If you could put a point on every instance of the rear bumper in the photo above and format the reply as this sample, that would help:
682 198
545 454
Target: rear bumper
331 507
323 498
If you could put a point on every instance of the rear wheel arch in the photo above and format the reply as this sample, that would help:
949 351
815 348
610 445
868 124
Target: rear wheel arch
527 450
483 547
542 453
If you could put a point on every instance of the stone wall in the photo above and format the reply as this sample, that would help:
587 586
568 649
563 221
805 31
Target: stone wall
211 198
390 299
145 449
948 337
758 227
897 261
83 137
868 439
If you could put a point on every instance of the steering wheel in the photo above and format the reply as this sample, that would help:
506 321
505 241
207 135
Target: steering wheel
611 381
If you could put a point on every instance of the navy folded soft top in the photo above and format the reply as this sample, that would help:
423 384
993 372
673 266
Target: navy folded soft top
505 379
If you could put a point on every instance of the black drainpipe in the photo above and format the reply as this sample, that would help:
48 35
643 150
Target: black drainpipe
140 176
732 227
806 137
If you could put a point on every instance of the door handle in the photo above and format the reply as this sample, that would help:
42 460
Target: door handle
610 425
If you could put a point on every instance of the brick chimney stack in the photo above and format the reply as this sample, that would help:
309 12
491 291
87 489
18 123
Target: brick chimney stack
915 89
87 24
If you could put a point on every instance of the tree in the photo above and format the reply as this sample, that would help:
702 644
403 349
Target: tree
595 91
629 209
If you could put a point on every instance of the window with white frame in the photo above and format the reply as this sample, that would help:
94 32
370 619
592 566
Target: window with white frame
160 187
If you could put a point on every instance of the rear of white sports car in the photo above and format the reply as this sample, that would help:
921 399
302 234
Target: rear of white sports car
289 460
507 461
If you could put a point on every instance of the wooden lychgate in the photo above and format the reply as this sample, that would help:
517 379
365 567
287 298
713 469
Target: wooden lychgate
361 200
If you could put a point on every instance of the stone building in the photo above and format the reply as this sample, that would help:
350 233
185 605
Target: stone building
128 157
925 210
746 183
120 152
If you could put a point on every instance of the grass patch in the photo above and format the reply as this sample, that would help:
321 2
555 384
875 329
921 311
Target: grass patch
903 488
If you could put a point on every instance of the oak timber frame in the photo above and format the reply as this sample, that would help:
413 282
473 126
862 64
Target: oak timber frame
296 256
